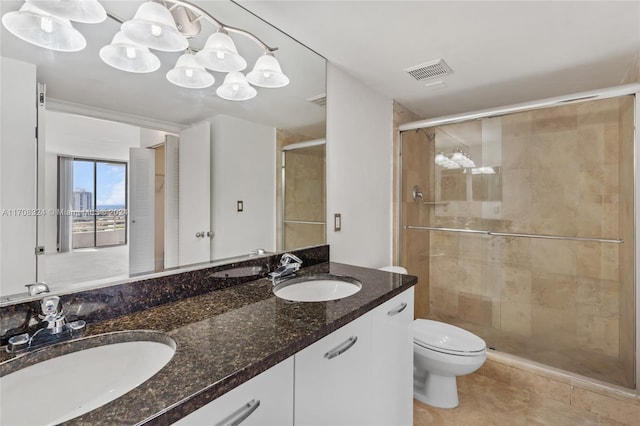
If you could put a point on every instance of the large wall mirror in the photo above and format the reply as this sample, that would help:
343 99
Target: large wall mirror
137 175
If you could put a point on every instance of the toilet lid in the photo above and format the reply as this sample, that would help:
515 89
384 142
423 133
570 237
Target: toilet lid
446 338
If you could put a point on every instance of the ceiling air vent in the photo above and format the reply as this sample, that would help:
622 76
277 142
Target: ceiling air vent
320 100
433 69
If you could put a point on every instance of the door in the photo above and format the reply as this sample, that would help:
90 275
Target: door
141 210
393 361
171 207
194 159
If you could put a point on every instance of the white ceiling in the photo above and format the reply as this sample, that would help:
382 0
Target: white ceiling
500 52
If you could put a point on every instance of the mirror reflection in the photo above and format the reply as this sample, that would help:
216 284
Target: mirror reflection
465 168
137 174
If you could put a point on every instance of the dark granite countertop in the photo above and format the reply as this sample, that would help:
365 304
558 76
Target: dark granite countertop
226 337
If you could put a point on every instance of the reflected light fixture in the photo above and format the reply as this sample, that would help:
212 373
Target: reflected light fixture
220 53
85 11
153 26
267 72
125 55
444 161
160 25
43 29
456 160
236 88
462 159
190 73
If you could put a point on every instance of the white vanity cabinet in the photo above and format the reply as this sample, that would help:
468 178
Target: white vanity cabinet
393 361
333 378
265 400
361 374
368 381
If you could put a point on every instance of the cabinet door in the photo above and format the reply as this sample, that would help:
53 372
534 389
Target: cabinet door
333 378
393 361
265 400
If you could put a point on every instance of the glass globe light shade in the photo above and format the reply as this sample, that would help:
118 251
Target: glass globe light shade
43 29
86 11
220 54
153 27
267 73
125 55
236 88
189 73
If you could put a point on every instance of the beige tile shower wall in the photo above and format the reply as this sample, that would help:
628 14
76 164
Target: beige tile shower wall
626 250
417 160
284 138
633 74
401 115
567 171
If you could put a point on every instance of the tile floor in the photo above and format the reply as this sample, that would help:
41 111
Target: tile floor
82 266
488 402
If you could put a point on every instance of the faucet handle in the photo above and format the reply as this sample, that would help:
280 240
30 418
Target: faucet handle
288 257
37 288
50 306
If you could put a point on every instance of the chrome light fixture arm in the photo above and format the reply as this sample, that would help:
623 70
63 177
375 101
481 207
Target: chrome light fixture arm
206 15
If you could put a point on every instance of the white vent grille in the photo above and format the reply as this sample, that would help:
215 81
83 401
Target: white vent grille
433 69
320 100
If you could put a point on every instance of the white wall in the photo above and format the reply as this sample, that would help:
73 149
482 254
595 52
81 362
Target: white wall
243 158
17 174
359 171
79 136
151 138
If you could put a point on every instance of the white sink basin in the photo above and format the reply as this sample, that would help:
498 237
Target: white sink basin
64 387
317 288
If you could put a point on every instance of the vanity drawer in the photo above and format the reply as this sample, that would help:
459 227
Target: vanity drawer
265 400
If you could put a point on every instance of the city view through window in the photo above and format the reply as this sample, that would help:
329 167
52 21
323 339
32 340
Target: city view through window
99 203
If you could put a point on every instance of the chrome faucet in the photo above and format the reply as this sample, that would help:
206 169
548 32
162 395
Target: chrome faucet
288 265
52 328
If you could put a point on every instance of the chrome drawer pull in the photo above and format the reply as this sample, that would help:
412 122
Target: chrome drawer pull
397 310
241 414
342 348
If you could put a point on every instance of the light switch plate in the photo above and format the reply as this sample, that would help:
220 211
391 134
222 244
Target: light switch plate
337 222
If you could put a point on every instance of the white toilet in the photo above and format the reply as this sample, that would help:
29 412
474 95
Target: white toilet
440 353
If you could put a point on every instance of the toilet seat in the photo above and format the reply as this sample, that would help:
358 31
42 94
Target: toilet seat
447 338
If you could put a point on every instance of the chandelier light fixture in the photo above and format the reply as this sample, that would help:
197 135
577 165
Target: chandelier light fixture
163 25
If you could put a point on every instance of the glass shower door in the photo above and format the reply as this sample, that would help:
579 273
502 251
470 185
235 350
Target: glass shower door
520 228
303 180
